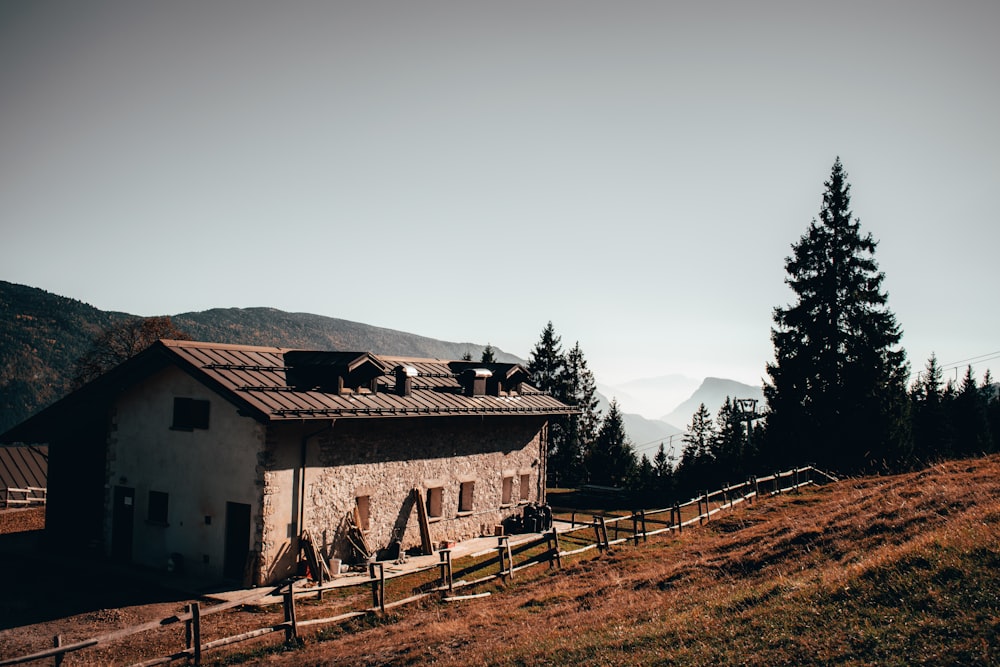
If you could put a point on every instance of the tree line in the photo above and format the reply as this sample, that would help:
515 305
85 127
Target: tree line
838 392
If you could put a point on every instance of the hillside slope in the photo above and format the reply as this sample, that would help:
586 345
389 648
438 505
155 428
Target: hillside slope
899 570
41 335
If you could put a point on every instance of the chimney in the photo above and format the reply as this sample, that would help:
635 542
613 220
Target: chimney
404 379
474 381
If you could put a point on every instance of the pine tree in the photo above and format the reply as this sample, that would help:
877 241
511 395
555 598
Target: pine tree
932 430
695 468
546 367
646 477
663 469
837 390
729 442
992 399
612 460
580 429
661 465
972 429
489 356
546 364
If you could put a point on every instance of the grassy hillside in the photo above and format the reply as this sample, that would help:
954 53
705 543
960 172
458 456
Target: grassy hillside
43 334
901 570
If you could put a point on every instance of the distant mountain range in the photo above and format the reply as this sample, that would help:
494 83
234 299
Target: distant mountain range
683 394
43 334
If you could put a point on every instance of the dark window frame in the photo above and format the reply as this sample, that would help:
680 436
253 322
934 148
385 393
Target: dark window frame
157 508
190 414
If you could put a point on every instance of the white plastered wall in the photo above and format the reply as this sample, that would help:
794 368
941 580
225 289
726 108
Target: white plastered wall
201 470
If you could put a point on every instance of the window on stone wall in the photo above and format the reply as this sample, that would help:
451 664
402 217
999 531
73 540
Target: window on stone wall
507 491
525 488
465 496
434 496
364 512
156 512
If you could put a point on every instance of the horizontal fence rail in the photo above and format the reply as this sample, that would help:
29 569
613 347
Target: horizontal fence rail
30 496
569 537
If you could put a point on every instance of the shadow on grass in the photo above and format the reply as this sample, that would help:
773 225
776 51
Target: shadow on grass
41 583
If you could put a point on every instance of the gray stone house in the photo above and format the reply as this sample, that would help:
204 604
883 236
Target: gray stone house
219 457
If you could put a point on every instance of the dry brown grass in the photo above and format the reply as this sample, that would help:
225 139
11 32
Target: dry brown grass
890 570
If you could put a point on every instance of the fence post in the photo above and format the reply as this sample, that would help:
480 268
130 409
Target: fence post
504 555
797 481
556 552
597 534
680 524
291 627
196 631
56 643
378 586
604 533
446 571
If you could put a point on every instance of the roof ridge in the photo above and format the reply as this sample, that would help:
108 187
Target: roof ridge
170 342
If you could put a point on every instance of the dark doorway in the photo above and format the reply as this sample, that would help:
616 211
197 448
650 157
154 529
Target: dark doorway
237 541
122 524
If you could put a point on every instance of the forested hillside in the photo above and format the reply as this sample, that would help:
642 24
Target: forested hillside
43 334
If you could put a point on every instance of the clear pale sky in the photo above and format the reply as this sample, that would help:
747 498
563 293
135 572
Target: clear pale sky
635 172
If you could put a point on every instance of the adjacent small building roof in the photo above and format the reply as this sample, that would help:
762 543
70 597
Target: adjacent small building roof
23 467
275 384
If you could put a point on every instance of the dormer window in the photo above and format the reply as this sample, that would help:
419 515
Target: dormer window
333 372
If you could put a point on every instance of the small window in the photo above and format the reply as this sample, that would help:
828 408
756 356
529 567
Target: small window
507 491
434 496
157 510
465 496
364 512
525 487
190 413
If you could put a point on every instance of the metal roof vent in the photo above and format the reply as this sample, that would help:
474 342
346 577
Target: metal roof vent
404 379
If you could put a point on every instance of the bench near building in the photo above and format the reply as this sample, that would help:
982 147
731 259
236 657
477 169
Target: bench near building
221 457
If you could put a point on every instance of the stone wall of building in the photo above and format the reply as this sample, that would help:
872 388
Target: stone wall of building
380 462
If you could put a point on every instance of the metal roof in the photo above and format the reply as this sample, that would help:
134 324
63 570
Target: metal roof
257 378
22 467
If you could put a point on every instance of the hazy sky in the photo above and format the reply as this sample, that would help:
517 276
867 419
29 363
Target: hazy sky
635 172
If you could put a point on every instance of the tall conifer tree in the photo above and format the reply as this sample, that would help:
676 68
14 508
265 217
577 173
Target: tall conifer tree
612 460
547 368
837 389
580 429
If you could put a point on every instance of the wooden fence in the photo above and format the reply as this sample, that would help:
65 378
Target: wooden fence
31 496
442 580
